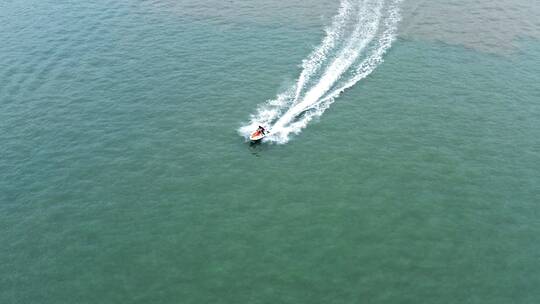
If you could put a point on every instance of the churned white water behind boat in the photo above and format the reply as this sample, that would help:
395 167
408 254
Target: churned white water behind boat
354 45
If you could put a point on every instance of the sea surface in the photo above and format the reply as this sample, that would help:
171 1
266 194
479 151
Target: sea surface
403 163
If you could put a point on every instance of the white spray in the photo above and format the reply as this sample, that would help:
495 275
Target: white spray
291 111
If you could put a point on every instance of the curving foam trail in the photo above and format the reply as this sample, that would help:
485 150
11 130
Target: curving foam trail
354 45
315 60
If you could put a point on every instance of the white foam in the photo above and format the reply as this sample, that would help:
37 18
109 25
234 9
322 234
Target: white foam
316 59
290 112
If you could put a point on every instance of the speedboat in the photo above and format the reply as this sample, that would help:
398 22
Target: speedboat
257 135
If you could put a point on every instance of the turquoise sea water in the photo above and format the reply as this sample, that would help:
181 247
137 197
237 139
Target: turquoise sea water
123 178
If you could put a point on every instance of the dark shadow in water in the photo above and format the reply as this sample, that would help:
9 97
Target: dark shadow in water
256 147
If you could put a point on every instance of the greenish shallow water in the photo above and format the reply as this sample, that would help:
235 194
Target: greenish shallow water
123 178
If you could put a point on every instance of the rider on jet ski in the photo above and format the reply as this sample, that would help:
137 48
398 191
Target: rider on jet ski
262 130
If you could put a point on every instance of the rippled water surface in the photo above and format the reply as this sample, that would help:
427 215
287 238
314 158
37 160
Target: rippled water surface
123 178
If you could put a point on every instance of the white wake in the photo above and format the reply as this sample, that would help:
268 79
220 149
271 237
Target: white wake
354 45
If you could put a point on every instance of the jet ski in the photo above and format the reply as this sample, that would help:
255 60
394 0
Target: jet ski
259 134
